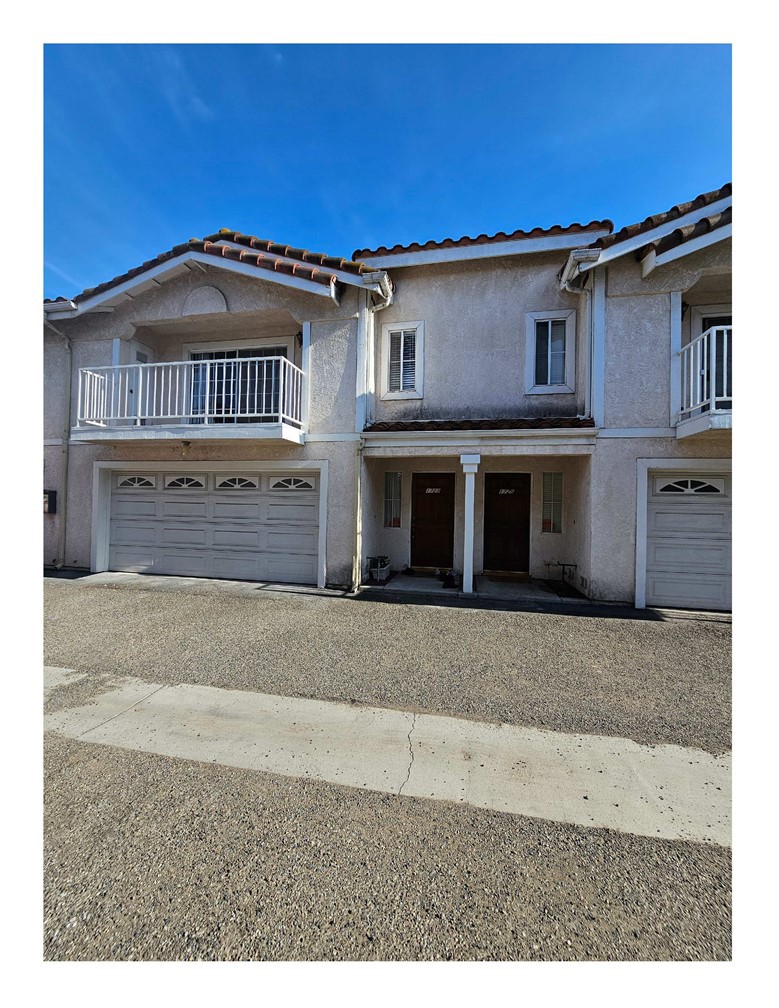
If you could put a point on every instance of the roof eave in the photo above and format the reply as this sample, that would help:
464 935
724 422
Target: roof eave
652 260
173 266
486 250
643 238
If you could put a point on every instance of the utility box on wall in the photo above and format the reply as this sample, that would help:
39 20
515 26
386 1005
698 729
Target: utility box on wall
49 501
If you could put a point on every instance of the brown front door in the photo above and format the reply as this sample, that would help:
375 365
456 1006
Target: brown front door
507 522
432 520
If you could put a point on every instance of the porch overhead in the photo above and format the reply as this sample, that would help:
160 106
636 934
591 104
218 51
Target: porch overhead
511 435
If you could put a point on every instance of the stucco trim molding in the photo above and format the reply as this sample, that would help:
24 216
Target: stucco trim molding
101 497
637 432
643 468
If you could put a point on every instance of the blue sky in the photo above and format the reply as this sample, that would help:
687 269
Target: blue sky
338 147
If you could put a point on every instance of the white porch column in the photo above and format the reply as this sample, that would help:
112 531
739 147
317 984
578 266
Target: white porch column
470 464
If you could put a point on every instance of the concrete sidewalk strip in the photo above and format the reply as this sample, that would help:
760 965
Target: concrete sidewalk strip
53 677
589 780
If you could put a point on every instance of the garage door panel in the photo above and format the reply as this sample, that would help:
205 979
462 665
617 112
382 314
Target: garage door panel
179 508
230 533
184 563
292 540
182 535
239 510
132 560
244 567
287 511
697 555
134 507
134 533
689 521
689 591
251 539
280 568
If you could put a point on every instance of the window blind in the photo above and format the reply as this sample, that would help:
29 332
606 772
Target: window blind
552 508
402 363
392 499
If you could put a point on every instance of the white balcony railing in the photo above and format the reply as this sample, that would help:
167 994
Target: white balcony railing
249 390
707 373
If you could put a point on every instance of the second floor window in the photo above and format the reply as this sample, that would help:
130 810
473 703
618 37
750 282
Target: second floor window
550 346
402 363
402 360
550 352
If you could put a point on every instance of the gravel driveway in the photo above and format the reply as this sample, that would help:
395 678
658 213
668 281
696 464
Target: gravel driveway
655 681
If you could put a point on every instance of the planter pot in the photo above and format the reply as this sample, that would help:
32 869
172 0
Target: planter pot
380 573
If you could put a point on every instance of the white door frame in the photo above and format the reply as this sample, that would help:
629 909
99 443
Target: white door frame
101 497
644 466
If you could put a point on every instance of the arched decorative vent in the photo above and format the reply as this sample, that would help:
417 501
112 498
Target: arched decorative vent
238 483
136 481
204 300
690 486
185 483
291 483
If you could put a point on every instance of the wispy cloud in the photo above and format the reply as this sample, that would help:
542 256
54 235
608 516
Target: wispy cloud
178 87
63 275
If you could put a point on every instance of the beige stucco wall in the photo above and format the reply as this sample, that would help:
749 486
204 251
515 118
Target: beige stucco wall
474 354
638 355
52 480
638 330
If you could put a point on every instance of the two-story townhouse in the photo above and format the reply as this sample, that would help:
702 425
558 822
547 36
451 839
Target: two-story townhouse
544 403
184 434
560 402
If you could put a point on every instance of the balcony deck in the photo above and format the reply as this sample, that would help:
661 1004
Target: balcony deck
706 375
258 398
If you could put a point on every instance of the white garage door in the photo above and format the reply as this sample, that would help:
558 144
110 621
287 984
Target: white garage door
247 526
689 541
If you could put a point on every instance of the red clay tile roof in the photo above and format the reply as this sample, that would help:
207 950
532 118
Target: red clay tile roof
259 252
704 200
685 234
483 239
522 423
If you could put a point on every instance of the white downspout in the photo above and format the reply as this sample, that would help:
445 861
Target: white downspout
570 271
366 327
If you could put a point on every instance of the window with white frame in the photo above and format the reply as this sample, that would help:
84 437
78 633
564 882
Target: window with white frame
552 508
402 360
392 484
550 347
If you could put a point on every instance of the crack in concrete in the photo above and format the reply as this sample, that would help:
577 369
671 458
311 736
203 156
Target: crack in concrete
410 752
119 714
